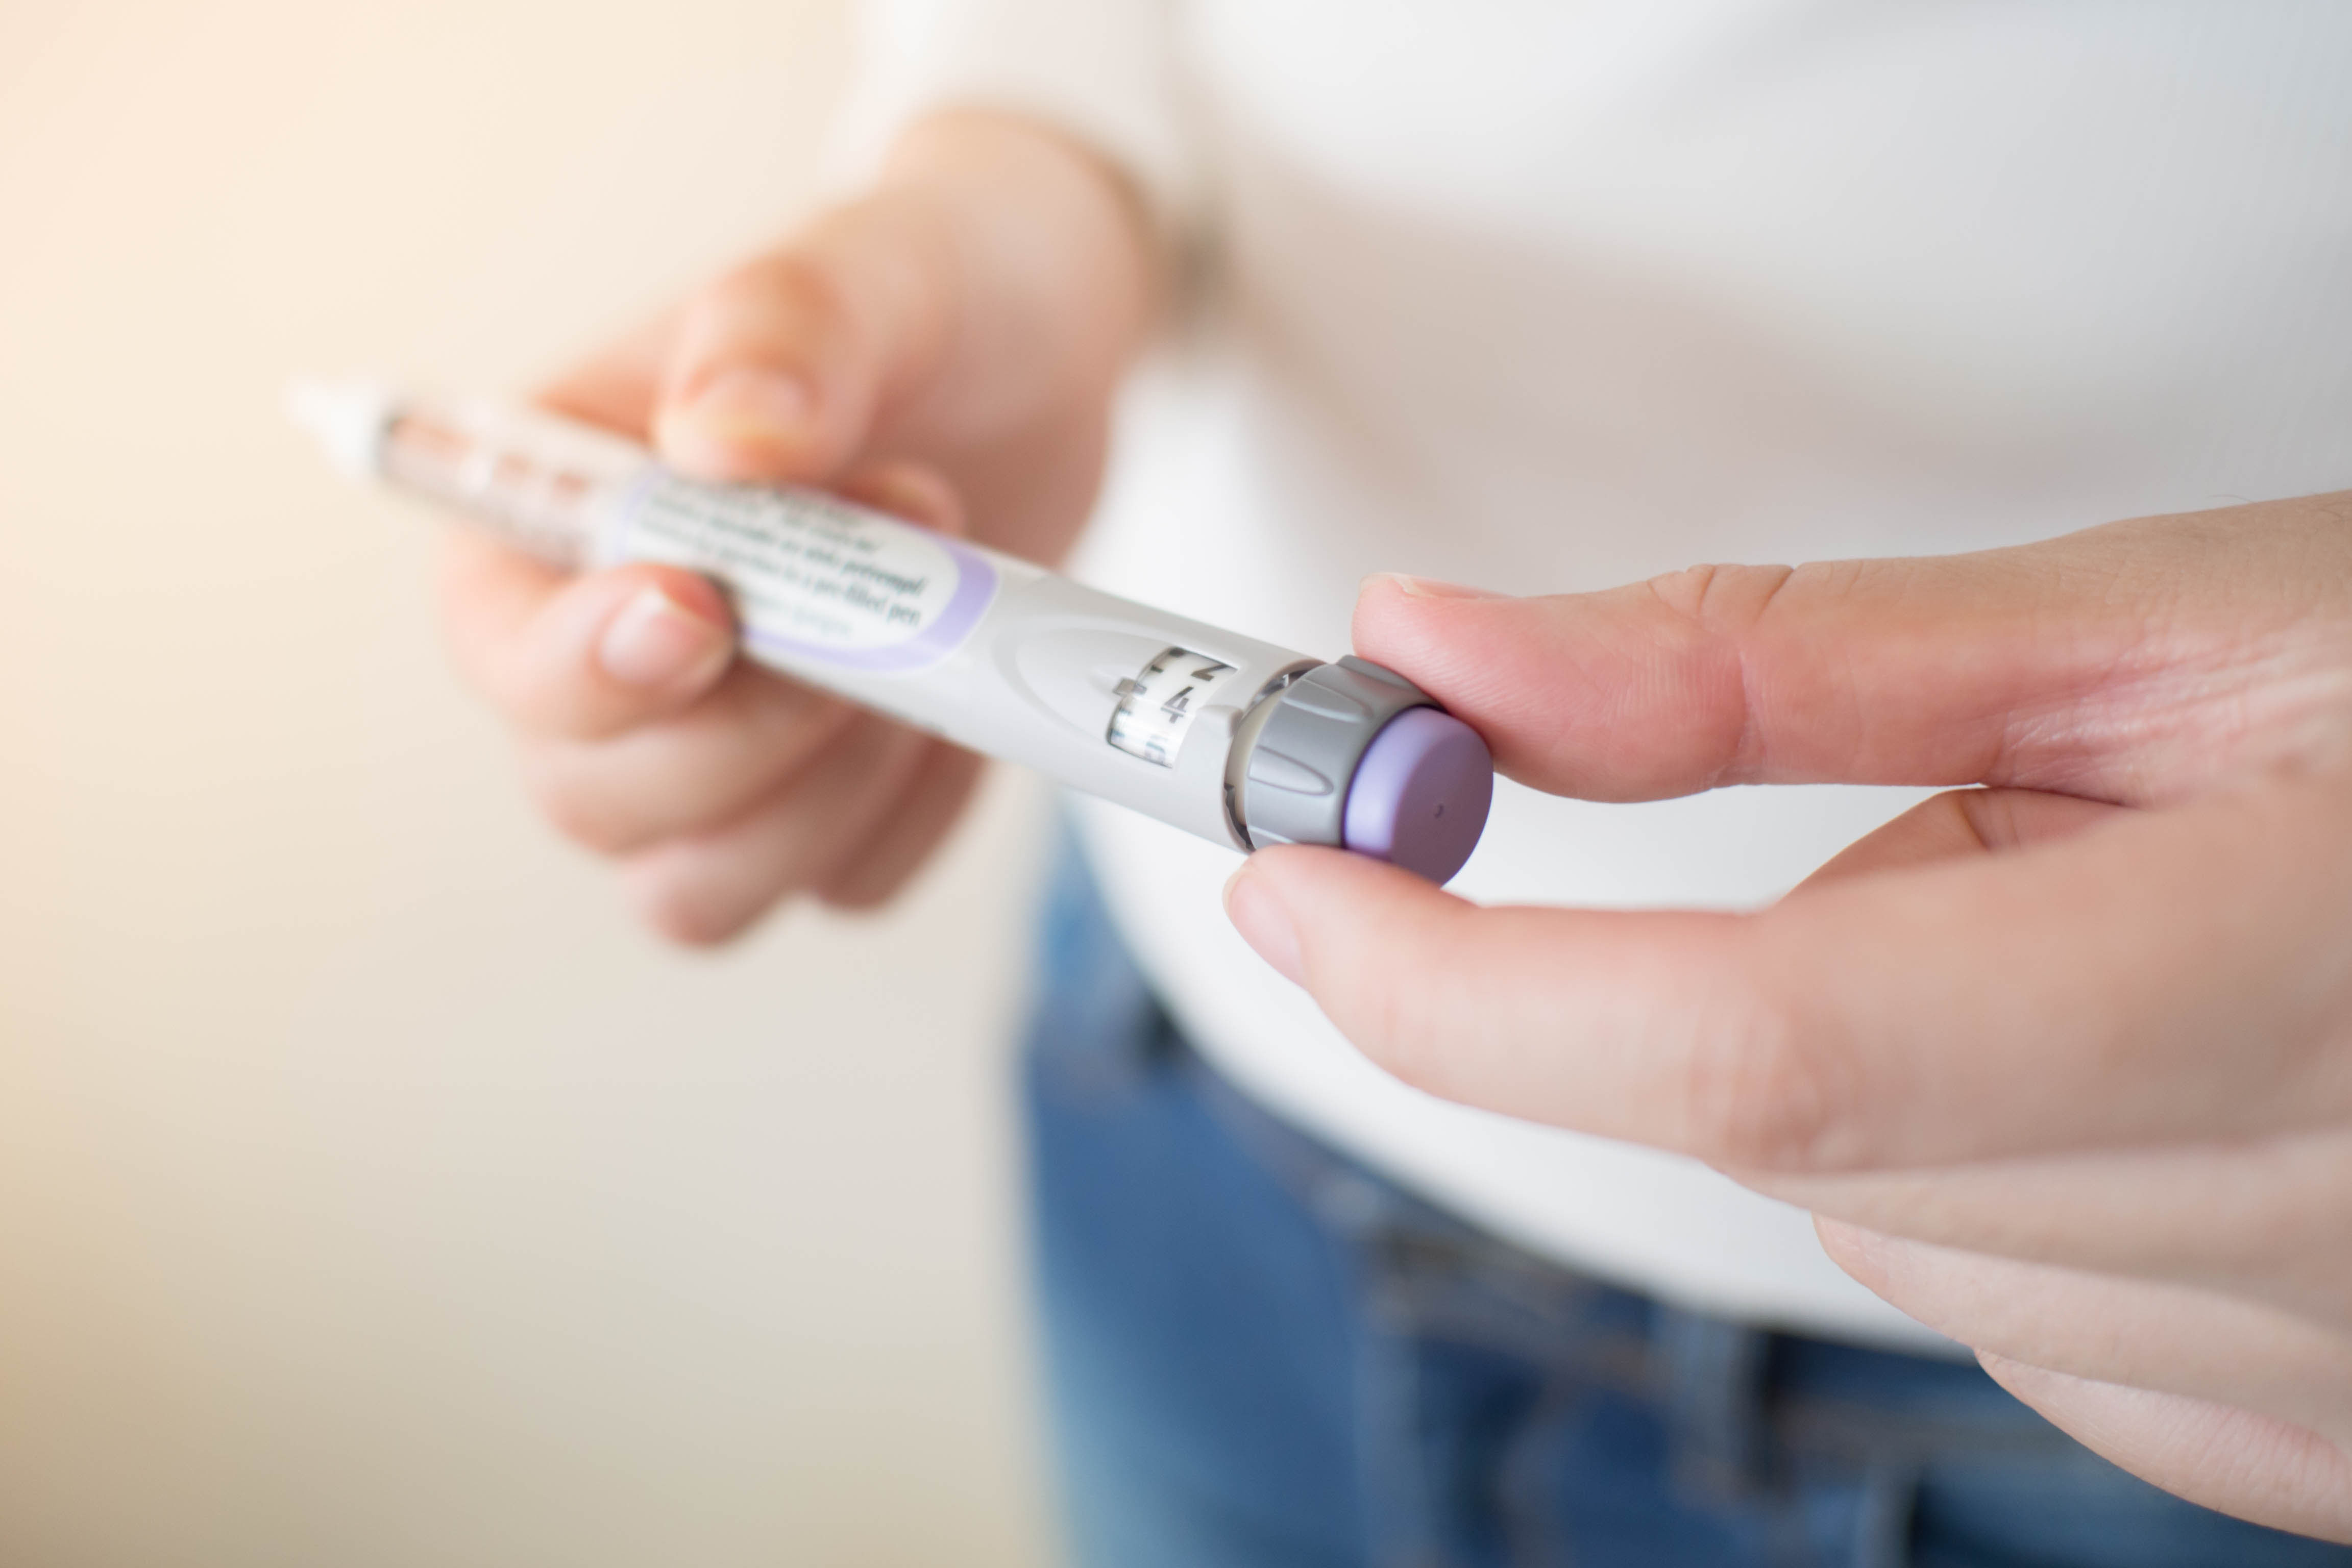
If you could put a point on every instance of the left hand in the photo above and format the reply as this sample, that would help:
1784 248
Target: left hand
946 346
2062 1064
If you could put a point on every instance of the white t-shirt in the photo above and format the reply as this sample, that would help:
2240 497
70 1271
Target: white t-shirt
1545 295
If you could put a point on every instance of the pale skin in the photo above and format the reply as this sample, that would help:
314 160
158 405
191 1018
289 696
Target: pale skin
946 348
2062 1064
2061 1060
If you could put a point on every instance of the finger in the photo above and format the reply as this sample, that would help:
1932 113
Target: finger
2253 1466
617 386
904 840
708 765
2162 976
712 887
780 370
2083 665
2172 1338
915 492
1963 822
694 771
580 657
2271 1218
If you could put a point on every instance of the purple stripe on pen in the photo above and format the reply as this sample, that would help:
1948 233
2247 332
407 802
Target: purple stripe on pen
941 635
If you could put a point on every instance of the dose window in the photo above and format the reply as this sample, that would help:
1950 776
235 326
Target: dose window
1156 706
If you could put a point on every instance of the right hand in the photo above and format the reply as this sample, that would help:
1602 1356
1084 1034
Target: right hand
945 348
2061 1060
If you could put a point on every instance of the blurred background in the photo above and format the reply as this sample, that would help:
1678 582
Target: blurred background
371 1191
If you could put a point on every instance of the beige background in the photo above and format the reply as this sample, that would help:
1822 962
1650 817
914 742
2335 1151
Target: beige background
370 1191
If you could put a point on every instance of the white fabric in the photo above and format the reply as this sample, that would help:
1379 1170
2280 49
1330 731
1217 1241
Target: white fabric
1105 71
1545 295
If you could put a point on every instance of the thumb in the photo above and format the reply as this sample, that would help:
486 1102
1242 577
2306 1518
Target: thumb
2064 996
2133 662
780 370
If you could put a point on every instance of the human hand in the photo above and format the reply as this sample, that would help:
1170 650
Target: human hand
945 348
2063 1065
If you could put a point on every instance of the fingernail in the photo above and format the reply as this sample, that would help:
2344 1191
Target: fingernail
1264 923
656 641
740 410
1430 588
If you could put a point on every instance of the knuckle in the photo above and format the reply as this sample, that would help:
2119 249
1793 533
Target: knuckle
1683 591
575 808
486 597
784 291
480 654
686 909
1759 1087
1714 614
532 703
546 691
689 923
1721 598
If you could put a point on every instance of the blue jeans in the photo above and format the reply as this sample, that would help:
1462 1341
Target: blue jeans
1261 1353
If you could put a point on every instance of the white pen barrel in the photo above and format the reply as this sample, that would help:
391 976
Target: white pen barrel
1236 740
1114 698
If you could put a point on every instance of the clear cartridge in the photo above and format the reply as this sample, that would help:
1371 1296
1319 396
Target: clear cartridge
1222 735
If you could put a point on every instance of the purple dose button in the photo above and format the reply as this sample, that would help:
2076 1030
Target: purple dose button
1420 796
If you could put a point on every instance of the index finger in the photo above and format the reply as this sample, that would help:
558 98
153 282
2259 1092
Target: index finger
2138 662
617 385
581 656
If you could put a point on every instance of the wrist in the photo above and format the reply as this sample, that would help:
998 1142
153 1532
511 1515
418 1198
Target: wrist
1035 253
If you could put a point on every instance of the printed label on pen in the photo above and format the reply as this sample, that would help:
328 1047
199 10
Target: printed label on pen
810 577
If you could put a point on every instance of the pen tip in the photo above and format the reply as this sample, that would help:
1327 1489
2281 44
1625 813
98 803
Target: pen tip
346 418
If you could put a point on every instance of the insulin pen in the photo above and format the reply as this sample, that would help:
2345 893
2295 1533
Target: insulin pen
1236 740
